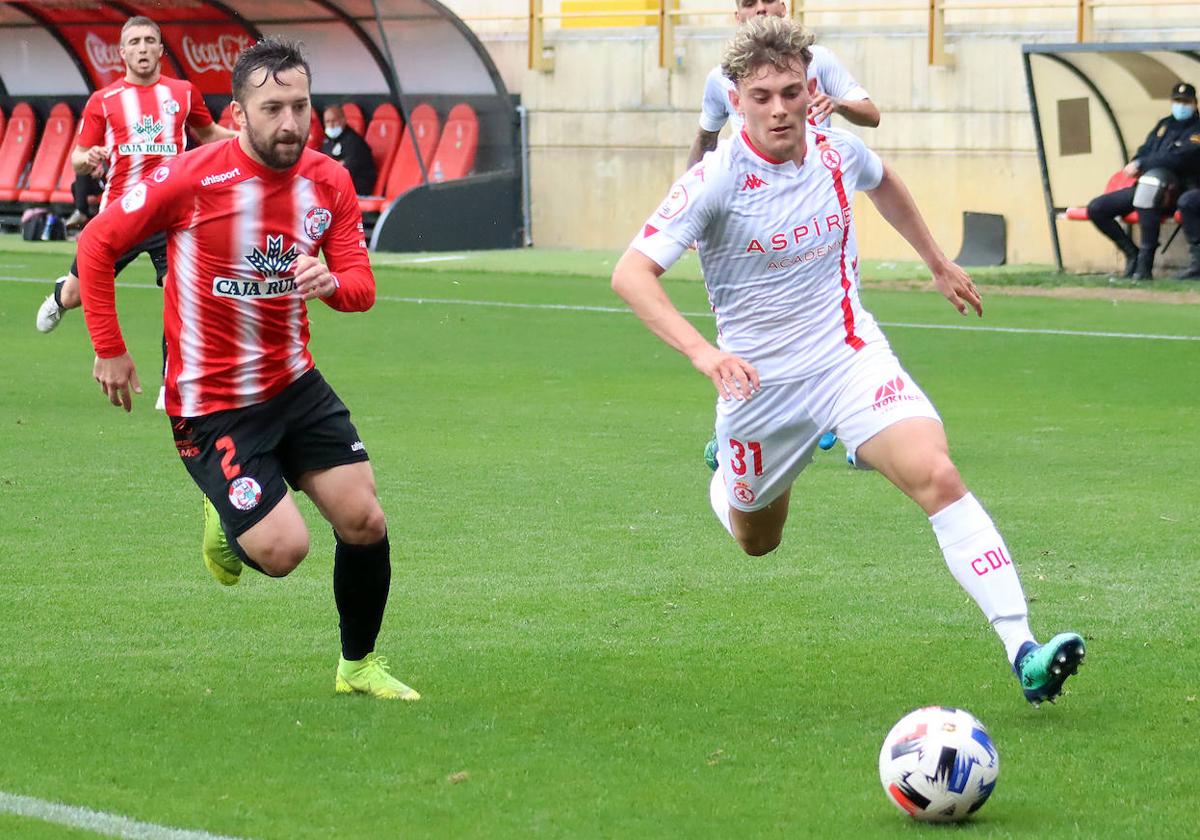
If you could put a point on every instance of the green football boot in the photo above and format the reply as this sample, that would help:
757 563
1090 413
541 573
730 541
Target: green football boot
220 559
370 676
1042 669
710 453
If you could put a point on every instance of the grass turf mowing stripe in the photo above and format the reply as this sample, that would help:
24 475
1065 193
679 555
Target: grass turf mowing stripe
109 825
618 310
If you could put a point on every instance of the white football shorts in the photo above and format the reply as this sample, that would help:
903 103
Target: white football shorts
765 442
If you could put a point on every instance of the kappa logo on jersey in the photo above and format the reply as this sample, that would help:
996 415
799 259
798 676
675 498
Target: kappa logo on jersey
220 178
831 158
244 493
753 182
147 130
316 221
276 262
890 393
160 174
674 203
134 199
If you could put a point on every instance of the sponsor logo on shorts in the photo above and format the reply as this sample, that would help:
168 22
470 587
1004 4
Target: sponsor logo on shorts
316 221
892 392
220 178
357 446
743 492
244 493
233 287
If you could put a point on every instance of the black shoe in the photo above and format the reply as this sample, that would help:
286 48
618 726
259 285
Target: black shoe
1192 272
1130 264
1144 269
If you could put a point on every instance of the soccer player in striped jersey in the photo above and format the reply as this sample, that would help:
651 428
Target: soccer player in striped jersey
251 414
132 125
797 353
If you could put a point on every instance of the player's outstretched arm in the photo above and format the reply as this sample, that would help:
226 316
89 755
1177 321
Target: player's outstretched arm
635 279
895 203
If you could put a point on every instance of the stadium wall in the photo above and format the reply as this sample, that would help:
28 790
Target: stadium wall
610 130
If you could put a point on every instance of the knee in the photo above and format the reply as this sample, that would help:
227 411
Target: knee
365 527
281 557
944 484
1095 208
757 545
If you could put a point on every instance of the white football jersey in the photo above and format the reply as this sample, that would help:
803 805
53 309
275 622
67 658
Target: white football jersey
832 79
777 249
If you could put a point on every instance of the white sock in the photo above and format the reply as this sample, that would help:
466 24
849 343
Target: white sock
982 565
718 498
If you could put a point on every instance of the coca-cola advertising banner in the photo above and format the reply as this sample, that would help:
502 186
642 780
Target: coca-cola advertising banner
207 52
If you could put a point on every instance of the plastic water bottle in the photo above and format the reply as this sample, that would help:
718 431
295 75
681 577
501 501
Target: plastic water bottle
48 229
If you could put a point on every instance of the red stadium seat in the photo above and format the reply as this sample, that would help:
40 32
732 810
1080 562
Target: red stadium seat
354 118
58 136
383 136
455 155
1118 181
316 134
62 192
16 150
422 125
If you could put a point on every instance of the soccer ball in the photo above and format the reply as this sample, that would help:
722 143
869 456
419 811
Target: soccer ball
938 764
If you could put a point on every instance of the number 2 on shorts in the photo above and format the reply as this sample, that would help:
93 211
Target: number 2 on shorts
738 462
229 448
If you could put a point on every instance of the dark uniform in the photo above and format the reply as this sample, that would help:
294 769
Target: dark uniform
352 152
1172 144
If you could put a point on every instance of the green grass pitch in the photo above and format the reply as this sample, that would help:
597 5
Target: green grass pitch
596 656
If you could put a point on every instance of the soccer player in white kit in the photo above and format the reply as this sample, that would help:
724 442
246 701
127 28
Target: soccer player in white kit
797 354
837 91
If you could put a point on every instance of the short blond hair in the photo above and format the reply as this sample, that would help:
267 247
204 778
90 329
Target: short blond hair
766 40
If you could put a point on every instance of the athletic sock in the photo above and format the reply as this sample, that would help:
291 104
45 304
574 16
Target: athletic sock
980 562
719 499
362 575
58 293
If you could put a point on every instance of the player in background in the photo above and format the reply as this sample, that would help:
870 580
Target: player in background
797 353
250 412
837 91
132 125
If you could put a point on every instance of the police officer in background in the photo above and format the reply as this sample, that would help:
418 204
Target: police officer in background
345 145
1170 157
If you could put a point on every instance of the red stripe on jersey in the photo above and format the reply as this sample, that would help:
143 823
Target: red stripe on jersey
750 145
847 308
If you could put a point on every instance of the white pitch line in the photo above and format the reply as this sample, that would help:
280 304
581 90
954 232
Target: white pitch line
109 825
623 310
416 260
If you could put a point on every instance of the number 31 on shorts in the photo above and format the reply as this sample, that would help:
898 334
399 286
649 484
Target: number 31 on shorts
738 462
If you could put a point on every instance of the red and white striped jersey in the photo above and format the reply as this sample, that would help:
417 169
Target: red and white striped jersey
236 329
139 125
777 247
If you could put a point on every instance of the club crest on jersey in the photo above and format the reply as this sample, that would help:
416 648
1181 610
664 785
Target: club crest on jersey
831 158
675 202
170 107
244 493
316 221
160 174
276 262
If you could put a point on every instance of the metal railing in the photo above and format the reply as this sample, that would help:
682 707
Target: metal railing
666 18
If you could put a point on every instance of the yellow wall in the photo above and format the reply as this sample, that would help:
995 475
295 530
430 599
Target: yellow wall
610 131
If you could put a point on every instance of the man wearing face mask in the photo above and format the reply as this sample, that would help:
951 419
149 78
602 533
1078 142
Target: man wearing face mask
1172 145
345 145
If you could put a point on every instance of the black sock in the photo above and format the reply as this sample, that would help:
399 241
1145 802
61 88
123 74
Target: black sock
58 293
361 577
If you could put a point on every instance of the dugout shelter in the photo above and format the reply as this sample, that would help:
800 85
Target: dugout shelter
1092 106
442 127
